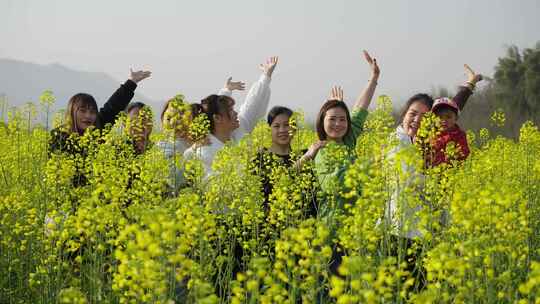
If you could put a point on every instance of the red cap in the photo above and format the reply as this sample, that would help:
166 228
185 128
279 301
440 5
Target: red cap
444 101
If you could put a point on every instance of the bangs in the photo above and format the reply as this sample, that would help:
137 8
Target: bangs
76 102
83 101
85 105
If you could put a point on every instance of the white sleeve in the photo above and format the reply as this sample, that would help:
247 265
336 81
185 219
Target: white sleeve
189 153
225 92
205 154
256 103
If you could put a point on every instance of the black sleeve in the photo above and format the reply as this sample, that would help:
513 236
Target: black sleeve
117 102
57 141
462 96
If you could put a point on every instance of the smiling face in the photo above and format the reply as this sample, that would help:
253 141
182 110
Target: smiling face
335 124
84 117
413 117
81 113
281 130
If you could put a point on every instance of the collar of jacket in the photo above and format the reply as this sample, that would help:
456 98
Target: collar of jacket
402 136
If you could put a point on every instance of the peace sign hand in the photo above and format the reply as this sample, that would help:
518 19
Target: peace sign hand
472 77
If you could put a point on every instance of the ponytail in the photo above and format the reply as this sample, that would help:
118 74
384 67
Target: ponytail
196 109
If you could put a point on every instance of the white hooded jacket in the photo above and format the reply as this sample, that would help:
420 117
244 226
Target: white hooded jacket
399 215
251 111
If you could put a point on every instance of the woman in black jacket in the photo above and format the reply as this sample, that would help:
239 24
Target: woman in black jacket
82 113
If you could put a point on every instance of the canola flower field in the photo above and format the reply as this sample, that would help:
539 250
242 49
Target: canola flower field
125 238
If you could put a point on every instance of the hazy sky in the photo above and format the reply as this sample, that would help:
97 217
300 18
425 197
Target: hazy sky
192 46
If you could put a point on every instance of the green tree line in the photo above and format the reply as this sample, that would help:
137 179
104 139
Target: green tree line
514 89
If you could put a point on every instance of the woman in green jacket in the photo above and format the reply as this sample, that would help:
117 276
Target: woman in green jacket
341 129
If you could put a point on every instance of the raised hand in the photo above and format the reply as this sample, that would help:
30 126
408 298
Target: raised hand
336 93
364 99
269 66
375 71
234 85
472 77
137 76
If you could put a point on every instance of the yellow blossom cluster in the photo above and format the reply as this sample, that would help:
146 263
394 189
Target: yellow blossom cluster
102 224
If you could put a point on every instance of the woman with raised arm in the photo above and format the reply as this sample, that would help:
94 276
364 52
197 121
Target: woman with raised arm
421 103
402 214
341 129
225 123
82 114
410 121
176 118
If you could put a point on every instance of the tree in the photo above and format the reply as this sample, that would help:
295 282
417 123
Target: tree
517 83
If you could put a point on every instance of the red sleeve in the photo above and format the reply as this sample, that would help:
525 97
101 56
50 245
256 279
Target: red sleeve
463 146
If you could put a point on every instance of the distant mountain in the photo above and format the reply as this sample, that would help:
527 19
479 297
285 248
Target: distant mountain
21 82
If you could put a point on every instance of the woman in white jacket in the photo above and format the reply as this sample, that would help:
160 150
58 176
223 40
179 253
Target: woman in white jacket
402 215
172 119
225 123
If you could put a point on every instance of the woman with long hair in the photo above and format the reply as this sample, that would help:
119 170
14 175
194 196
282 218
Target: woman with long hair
402 219
228 125
406 132
340 129
82 114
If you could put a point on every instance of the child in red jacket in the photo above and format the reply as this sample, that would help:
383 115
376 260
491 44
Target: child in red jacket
447 110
